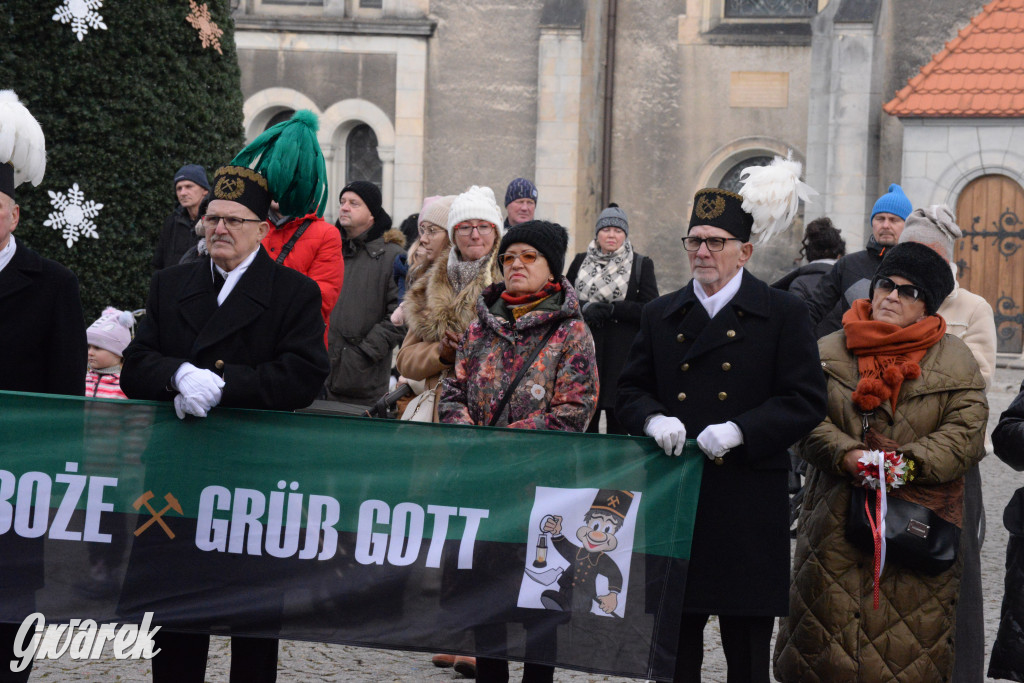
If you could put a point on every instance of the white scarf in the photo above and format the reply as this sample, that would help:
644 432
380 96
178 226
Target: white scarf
605 277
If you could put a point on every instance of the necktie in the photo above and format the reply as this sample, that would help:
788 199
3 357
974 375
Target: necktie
218 281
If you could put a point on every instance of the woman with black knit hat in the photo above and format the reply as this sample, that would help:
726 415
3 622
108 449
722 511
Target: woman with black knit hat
531 319
613 282
896 383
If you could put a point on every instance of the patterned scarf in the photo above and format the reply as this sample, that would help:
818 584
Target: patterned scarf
461 273
605 277
886 353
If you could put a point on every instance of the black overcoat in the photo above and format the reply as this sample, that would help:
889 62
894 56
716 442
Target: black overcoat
42 329
613 339
755 364
266 339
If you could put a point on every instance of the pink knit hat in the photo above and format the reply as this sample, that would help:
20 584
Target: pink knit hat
113 330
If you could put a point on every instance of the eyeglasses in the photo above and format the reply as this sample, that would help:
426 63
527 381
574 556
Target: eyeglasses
230 222
714 243
429 231
526 258
908 292
483 229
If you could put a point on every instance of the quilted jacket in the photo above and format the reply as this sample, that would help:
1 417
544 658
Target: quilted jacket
833 633
558 392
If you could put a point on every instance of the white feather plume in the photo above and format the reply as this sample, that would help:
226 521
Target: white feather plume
772 194
22 142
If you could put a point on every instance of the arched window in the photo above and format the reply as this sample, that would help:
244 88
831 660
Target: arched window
362 161
280 116
731 180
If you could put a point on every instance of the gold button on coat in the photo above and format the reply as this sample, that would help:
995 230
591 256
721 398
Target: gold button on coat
684 367
680 337
727 366
681 396
730 333
219 365
722 395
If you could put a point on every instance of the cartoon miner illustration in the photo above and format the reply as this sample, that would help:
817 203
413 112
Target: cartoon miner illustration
577 586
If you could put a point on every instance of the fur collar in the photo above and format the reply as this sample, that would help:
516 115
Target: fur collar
432 305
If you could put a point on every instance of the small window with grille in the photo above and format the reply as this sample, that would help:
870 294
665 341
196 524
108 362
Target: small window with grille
731 180
770 9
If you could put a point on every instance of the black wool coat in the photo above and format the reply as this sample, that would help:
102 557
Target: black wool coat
266 340
755 364
1008 444
42 328
613 339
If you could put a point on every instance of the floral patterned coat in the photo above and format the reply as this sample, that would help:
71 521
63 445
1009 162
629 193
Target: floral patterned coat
558 392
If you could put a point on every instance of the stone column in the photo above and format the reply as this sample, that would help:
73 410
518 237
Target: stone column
558 124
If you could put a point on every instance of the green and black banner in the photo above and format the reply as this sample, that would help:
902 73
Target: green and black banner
565 549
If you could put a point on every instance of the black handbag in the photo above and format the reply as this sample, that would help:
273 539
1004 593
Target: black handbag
915 537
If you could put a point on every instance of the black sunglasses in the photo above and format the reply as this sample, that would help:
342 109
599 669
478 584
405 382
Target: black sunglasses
909 292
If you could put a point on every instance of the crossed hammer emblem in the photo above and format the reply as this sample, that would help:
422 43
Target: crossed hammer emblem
172 504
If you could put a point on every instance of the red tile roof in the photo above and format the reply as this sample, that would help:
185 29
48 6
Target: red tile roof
980 73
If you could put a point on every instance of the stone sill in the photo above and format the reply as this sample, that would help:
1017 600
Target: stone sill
789 33
383 27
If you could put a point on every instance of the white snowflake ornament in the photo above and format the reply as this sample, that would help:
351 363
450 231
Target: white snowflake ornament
73 215
81 14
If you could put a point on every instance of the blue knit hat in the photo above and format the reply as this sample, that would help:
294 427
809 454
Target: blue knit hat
520 188
894 202
194 173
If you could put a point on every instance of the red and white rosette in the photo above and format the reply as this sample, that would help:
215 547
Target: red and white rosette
894 470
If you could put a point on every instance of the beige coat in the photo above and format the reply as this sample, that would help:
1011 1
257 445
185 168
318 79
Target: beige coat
432 306
969 317
833 633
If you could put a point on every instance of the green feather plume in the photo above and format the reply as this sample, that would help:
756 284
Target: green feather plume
289 157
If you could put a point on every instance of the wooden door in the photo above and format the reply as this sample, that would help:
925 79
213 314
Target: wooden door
989 211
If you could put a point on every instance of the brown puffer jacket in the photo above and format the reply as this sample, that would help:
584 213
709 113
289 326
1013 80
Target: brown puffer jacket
432 306
833 633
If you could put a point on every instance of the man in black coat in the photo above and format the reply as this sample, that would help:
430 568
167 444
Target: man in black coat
850 277
178 235
734 362
42 330
235 330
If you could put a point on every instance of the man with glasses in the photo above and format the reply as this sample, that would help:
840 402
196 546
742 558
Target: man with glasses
234 330
734 363
360 334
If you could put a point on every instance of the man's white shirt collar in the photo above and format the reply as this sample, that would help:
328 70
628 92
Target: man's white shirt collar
231 279
7 253
717 301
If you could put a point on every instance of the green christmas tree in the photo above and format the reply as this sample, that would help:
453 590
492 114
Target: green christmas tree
126 91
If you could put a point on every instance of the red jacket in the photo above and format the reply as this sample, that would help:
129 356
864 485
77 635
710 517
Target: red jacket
317 255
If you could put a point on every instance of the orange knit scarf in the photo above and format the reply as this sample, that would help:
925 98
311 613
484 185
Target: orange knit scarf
886 354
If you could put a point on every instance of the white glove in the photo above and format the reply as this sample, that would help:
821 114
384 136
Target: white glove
202 386
717 440
669 432
187 406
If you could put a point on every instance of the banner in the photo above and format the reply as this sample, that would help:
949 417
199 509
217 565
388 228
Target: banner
565 549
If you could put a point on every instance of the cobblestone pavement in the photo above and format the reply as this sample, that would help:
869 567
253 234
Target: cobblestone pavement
307 662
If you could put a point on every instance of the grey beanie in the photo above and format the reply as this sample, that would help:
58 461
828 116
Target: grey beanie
612 217
935 225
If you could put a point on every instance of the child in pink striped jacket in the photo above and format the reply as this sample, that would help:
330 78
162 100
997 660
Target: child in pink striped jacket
107 338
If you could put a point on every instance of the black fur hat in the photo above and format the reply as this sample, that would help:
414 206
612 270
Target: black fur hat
923 267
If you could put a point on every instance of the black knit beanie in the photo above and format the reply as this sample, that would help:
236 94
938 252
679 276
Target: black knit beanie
550 239
923 267
371 195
